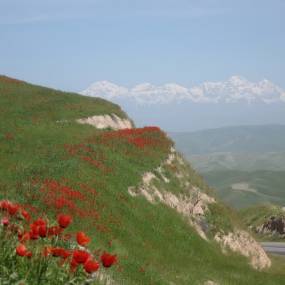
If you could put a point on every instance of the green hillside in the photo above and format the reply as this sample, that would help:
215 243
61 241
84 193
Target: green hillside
244 148
247 188
222 161
44 150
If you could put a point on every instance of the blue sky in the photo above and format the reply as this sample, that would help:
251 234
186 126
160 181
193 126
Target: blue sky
69 44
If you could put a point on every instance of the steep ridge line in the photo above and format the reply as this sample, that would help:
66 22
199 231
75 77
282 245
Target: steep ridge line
193 204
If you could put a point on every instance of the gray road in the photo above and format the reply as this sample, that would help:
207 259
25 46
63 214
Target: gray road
274 247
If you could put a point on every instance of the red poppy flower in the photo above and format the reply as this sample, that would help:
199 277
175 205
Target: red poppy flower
29 254
54 231
56 251
22 237
42 230
82 238
34 231
39 222
5 221
26 215
73 265
60 252
91 266
64 220
21 250
47 250
65 254
80 256
12 209
4 205
108 259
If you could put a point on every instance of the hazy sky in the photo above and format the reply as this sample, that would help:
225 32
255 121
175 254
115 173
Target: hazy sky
68 44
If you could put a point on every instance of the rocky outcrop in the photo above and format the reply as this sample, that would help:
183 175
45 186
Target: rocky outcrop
274 226
107 121
241 242
210 282
267 221
191 202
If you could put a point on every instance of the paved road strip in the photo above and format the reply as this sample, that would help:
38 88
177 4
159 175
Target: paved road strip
274 247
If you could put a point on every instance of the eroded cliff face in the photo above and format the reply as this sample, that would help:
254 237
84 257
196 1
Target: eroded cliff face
188 201
242 242
274 226
112 121
173 184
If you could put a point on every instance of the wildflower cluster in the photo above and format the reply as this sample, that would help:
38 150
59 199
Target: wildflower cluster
140 138
87 154
43 241
58 196
140 143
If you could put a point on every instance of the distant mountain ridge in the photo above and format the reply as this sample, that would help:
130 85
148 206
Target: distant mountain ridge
237 139
235 89
245 164
173 107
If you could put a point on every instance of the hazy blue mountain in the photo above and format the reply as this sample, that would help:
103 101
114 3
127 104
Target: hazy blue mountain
274 161
245 164
239 139
246 188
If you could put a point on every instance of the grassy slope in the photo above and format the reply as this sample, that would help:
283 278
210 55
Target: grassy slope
154 244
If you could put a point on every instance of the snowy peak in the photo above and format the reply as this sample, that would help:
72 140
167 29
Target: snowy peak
237 80
235 89
105 89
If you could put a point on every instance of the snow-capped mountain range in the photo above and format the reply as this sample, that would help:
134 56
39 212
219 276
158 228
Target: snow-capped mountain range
235 89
